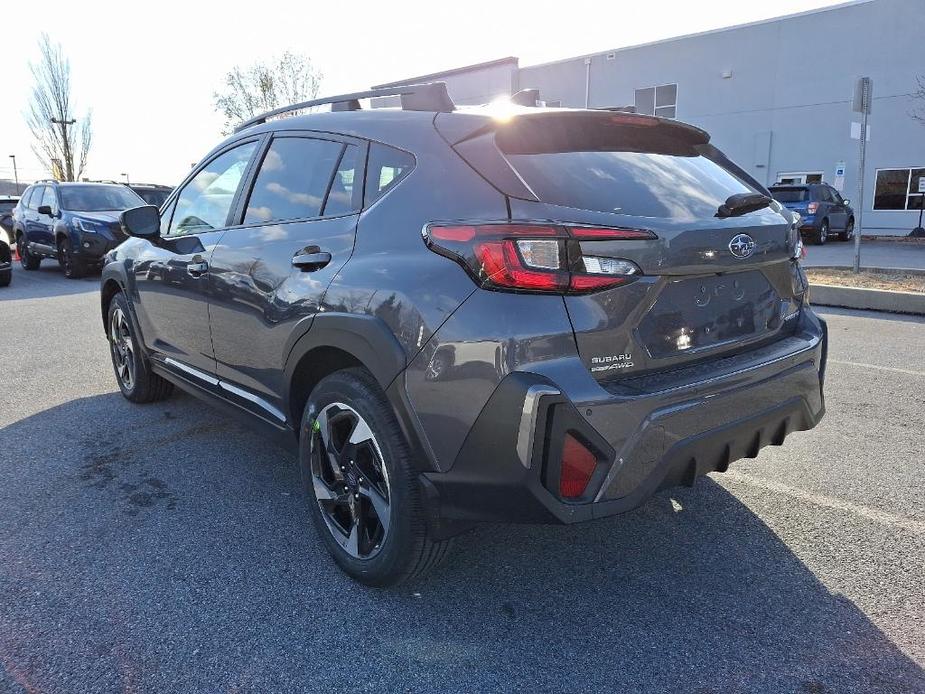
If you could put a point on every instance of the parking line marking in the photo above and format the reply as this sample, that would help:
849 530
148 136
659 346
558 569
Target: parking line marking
876 366
882 517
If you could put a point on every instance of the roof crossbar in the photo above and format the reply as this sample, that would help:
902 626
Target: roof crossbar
431 96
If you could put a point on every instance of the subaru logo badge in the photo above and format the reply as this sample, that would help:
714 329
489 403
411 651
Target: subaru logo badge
742 245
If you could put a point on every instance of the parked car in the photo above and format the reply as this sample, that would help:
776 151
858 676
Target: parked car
75 223
151 193
823 210
7 203
6 265
458 317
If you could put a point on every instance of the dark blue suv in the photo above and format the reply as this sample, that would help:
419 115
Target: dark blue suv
75 223
823 211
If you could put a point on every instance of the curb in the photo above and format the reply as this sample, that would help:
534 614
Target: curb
865 268
867 299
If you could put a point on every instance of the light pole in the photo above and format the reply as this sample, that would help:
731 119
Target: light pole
15 173
127 182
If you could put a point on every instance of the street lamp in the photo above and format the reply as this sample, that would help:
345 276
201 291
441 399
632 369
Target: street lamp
127 182
15 173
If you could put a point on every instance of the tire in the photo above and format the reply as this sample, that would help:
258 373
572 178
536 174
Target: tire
822 235
6 277
26 259
74 268
136 380
848 233
380 541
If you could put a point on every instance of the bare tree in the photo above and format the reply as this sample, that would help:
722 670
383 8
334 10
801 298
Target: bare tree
918 94
62 142
261 87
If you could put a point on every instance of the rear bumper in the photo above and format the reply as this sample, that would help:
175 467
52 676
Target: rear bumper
651 433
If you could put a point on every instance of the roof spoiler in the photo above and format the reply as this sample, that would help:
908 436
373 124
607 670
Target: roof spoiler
431 96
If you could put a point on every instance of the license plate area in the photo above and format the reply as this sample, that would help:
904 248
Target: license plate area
698 313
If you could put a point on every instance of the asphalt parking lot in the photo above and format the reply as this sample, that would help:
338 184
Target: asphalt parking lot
165 548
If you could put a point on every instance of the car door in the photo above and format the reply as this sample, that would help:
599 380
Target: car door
31 223
44 223
839 215
171 274
269 274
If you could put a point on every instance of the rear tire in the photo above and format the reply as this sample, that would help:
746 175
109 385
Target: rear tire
131 365
26 259
361 483
5 278
822 235
74 268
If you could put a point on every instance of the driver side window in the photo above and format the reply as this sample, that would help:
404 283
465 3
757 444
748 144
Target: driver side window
204 202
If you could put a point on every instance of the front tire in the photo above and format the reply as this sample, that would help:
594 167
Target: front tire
137 381
74 268
362 484
848 233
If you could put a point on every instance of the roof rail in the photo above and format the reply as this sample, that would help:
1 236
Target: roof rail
431 96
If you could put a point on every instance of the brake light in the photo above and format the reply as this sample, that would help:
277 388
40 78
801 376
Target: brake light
812 207
578 465
535 257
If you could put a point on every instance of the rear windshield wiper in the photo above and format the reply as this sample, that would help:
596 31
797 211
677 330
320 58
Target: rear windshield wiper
742 203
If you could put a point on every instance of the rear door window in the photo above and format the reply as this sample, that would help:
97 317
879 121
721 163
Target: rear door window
385 168
293 180
613 165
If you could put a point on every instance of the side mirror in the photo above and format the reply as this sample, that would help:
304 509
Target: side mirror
143 222
45 209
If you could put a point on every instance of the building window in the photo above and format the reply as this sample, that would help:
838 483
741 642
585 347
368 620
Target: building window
898 189
658 101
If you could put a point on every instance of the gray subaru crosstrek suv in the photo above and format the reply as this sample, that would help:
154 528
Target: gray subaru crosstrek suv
458 315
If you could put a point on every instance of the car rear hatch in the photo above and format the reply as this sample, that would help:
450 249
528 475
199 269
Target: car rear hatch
708 282
796 198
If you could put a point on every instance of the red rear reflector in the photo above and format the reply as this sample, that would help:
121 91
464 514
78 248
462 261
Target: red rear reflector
578 465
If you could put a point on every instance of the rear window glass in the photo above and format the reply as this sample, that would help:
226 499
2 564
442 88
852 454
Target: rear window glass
6 206
790 194
610 166
152 196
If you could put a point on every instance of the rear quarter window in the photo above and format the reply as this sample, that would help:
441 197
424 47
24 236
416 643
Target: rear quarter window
385 167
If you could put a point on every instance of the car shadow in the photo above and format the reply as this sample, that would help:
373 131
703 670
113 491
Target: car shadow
47 281
145 542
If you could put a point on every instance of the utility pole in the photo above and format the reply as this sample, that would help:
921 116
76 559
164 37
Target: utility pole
16 173
68 169
127 182
863 95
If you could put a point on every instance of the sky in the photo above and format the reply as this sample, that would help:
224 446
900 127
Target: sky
148 70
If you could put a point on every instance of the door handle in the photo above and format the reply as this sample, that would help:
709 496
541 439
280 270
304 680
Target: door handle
197 269
308 262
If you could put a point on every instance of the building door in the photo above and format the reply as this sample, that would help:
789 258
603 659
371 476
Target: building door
799 177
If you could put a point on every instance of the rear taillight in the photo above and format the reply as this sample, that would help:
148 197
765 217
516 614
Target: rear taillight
812 207
535 257
578 464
